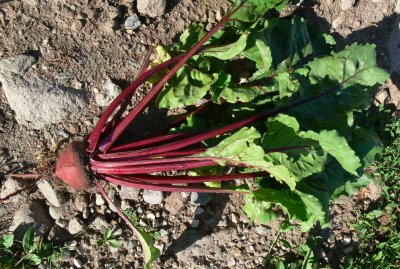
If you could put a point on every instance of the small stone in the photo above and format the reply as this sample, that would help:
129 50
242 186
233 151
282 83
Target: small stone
174 203
338 21
125 205
261 230
100 223
18 64
75 226
198 210
99 199
150 216
108 93
348 250
132 22
127 193
222 223
332 239
32 216
152 8
56 212
200 198
153 197
81 202
346 4
54 197
11 186
39 101
163 233
71 245
234 218
62 223
195 223
58 234
346 239
77 263
231 262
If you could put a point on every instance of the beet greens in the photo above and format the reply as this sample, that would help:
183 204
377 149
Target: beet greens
267 99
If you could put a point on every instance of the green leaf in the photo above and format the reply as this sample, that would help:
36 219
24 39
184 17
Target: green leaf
33 259
289 147
354 77
287 200
189 86
190 36
254 9
314 211
338 147
234 94
229 51
151 252
28 240
241 147
367 144
6 241
108 233
114 243
259 211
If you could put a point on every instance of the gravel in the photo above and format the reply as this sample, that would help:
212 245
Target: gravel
54 197
34 215
200 198
132 22
17 64
108 93
75 226
152 8
153 197
38 102
127 193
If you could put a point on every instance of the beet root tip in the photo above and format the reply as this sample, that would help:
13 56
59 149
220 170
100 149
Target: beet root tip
70 166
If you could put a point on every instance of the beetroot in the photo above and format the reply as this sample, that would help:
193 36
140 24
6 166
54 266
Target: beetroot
70 166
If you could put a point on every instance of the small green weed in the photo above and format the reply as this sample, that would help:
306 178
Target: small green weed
109 238
31 252
378 229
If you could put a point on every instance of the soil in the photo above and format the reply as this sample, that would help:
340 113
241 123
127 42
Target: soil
80 44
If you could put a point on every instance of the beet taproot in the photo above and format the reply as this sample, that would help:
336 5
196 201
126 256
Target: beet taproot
70 166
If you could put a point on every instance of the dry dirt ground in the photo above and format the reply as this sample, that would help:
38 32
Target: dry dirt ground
78 46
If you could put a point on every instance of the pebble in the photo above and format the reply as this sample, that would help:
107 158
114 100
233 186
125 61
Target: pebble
32 216
81 202
100 200
56 212
77 263
231 262
153 197
10 185
261 230
39 101
163 232
222 223
127 193
75 226
18 64
132 22
346 4
62 223
346 239
200 198
100 223
198 210
109 92
348 250
195 223
54 197
152 8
